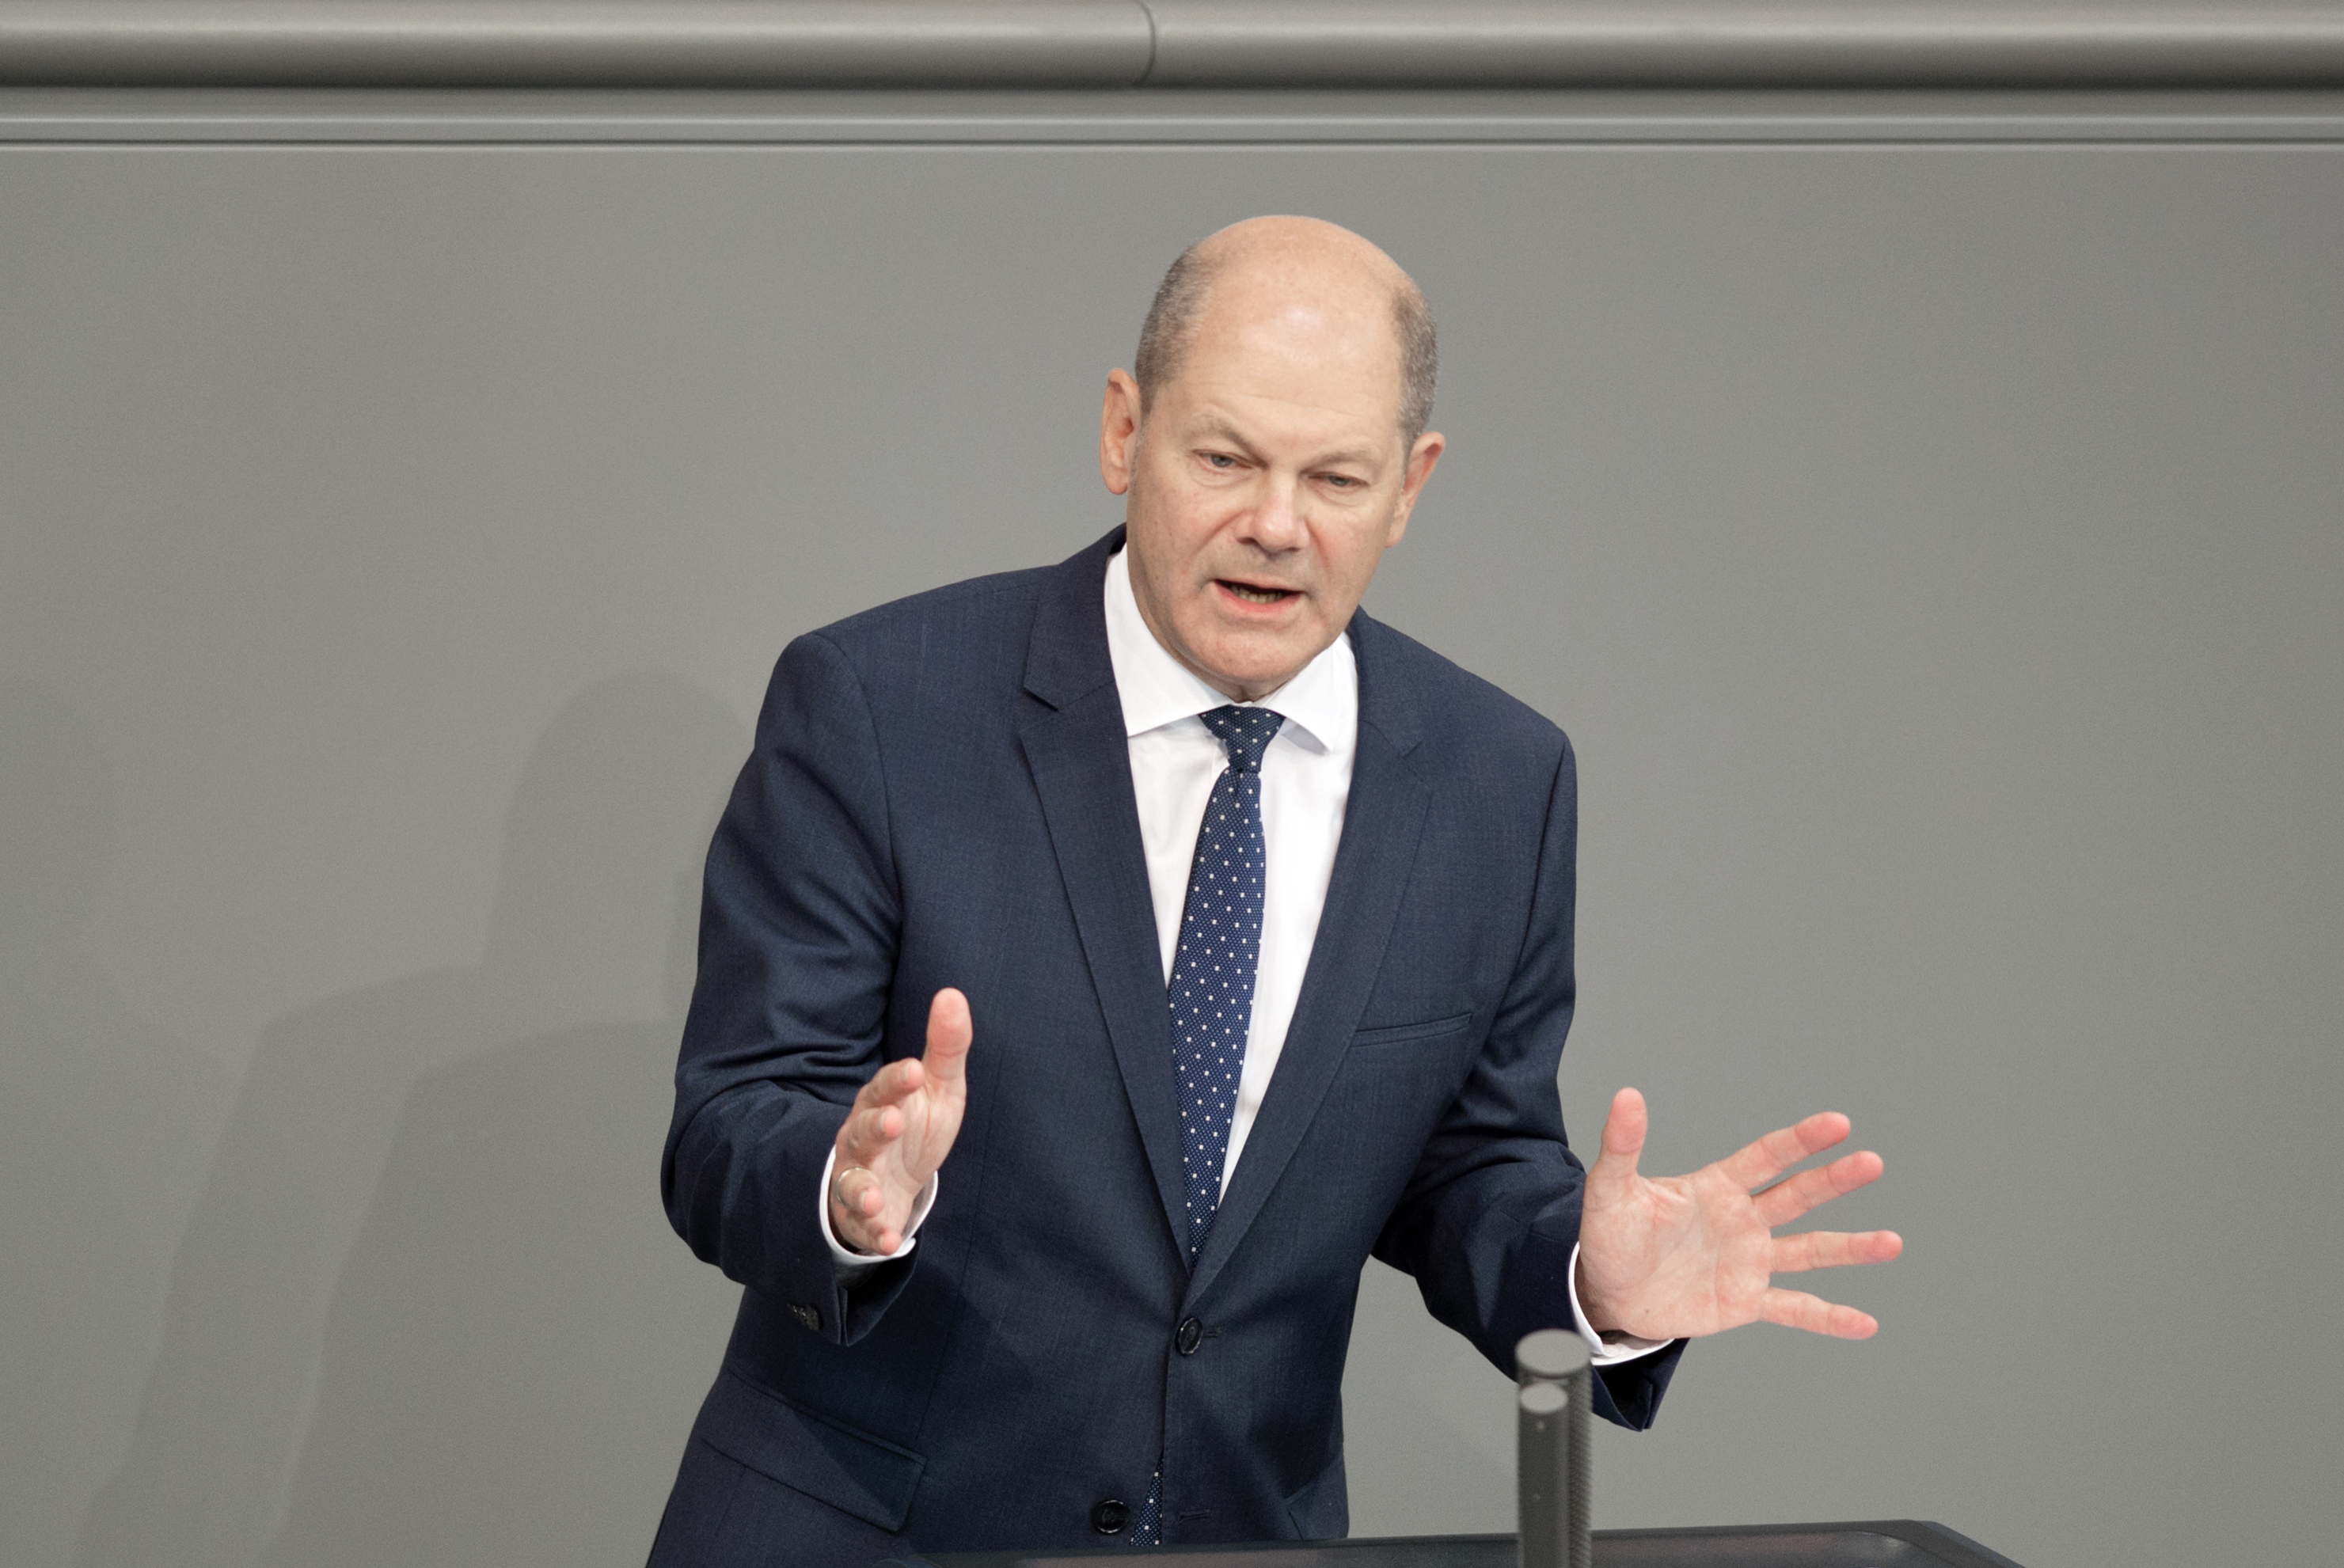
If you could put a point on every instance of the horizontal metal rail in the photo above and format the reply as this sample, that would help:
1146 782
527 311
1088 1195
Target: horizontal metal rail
317 117
1878 44
1117 44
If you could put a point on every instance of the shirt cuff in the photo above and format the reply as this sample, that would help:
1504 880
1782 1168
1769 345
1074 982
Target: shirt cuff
847 1266
1609 1349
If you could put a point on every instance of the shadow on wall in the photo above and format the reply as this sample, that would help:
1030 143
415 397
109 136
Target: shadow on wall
429 1309
104 1126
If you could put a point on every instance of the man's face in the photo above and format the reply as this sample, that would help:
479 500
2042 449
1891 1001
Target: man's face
1269 479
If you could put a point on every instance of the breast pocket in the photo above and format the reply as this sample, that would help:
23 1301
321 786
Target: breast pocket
1425 1033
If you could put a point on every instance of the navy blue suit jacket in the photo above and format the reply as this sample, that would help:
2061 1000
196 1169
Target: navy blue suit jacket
941 795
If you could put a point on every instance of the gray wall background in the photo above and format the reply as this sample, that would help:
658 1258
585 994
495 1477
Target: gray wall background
1934 550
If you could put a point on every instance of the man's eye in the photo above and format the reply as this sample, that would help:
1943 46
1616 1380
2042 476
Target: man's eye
1220 459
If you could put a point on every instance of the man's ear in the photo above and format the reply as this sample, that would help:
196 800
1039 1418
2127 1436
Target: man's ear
1421 460
1120 431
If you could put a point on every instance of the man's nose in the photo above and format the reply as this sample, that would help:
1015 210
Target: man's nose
1277 521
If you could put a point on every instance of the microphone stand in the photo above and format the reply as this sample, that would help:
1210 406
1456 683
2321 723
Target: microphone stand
1551 1450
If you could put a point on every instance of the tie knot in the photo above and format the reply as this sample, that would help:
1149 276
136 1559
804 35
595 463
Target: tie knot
1245 734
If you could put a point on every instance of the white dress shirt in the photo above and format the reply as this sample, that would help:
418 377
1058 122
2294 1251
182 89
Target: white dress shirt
1305 785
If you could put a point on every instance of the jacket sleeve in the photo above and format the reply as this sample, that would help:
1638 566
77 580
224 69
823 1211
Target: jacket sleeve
799 925
1490 1218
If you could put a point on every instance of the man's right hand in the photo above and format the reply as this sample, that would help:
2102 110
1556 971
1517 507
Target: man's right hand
902 1127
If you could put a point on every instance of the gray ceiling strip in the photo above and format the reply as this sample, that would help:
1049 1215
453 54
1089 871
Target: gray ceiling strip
574 43
539 118
1108 44
1249 43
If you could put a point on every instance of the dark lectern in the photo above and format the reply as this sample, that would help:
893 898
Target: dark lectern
1551 1458
1880 1543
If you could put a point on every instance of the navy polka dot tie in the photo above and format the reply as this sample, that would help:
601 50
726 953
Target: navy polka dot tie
1212 988
1213 966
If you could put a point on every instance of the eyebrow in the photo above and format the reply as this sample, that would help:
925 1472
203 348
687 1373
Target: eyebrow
1217 425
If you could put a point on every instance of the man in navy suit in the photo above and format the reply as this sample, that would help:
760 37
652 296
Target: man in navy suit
1221 937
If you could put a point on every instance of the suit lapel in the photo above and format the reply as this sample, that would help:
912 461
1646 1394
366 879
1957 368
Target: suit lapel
1081 764
1382 823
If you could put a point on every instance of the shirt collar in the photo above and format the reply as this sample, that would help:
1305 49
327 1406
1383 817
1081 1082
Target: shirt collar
1322 702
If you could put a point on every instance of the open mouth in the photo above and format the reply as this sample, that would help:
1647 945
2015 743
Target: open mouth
1255 593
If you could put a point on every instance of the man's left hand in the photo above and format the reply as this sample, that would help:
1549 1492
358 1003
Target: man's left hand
1672 1257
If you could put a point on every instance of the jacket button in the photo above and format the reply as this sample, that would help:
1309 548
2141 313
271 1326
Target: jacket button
1190 1335
1109 1517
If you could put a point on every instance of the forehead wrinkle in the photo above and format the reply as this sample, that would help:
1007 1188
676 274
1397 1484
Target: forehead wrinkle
1335 374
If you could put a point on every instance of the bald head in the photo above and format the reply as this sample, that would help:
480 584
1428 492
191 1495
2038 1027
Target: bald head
1263 265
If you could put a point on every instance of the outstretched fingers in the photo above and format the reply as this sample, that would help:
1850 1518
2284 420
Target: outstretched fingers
1797 1309
1756 1164
1786 1200
1833 1250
